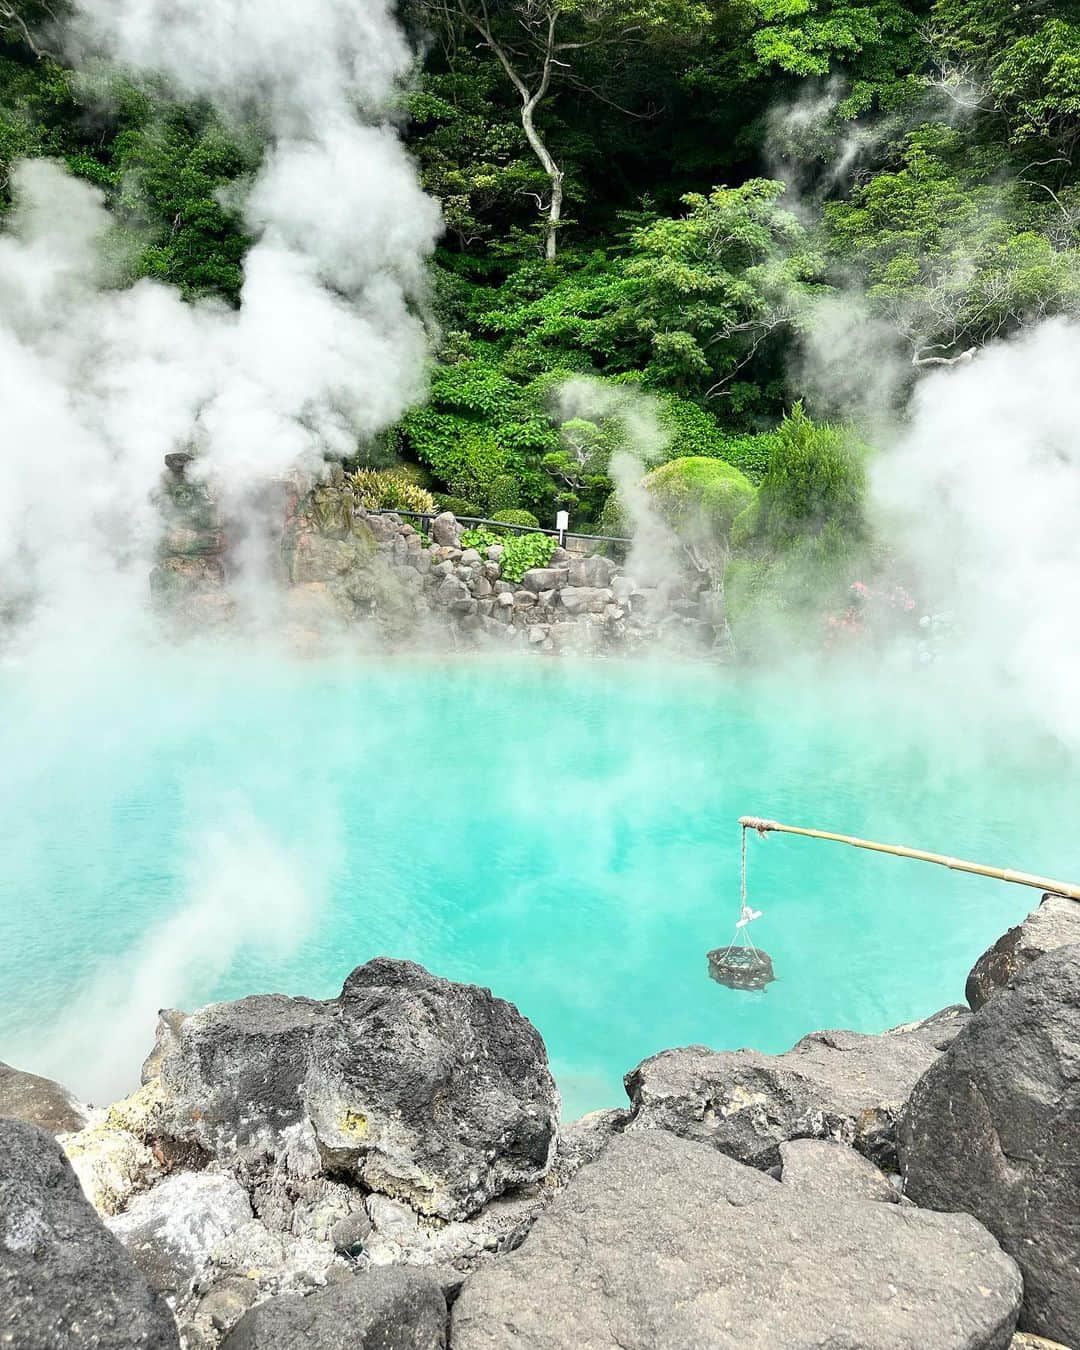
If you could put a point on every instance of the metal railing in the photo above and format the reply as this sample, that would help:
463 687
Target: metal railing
563 536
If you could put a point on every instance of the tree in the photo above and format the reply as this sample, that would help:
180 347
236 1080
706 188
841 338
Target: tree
539 44
955 249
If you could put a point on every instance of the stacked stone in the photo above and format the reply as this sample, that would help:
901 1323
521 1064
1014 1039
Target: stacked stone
188 580
572 604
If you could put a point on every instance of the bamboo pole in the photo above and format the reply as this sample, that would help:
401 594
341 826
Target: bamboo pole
957 864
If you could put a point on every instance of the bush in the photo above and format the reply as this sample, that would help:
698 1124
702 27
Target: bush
414 473
751 454
699 497
516 518
504 494
523 551
458 505
379 489
479 539
815 484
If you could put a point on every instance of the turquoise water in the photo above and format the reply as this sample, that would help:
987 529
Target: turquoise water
205 826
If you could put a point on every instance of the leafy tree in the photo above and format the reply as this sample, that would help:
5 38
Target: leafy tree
539 45
953 253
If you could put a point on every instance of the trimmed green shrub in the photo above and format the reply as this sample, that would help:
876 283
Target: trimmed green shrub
699 497
504 494
516 518
523 551
816 480
458 505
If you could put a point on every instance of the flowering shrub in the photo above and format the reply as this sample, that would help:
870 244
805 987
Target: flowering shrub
868 611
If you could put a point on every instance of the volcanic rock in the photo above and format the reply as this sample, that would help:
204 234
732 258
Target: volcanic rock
993 1128
388 1309
416 1087
171 1230
40 1101
831 1085
65 1282
1055 923
834 1169
664 1244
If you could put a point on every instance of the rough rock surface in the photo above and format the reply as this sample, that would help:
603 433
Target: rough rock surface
392 1309
994 1129
248 1267
831 1085
662 1244
65 1281
40 1101
1055 923
171 1230
111 1156
416 1087
833 1169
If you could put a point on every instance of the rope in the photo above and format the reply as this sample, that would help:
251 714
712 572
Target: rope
741 935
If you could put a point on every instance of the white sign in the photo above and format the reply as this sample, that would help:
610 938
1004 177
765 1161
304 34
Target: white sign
562 520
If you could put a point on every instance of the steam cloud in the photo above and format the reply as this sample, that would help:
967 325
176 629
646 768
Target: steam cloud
983 487
325 349
654 555
244 890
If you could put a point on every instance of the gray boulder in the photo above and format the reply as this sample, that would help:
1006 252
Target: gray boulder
834 1169
445 530
416 1087
538 579
594 571
662 1244
394 1308
40 1101
1054 924
994 1129
171 1230
584 599
831 1085
65 1281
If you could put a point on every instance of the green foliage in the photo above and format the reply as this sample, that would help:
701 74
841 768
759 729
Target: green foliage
516 518
504 494
699 497
458 505
816 482
952 260
380 489
479 429
523 551
796 544
480 538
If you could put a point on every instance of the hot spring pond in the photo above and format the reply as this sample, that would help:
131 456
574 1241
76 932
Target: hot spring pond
204 826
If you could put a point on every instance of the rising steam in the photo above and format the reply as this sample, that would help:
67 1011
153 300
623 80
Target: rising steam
325 350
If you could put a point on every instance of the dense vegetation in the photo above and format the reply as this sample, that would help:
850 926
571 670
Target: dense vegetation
651 205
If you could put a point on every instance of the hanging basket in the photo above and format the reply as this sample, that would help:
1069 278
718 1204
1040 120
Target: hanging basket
740 967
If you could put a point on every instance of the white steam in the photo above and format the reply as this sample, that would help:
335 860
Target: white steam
245 893
986 484
325 350
654 554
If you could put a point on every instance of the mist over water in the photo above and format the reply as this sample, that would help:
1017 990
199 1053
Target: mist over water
220 823
184 824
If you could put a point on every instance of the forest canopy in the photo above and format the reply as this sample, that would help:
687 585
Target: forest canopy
662 198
